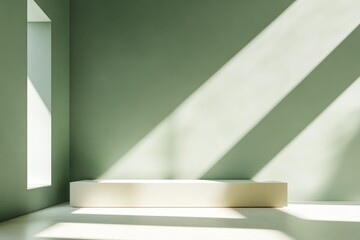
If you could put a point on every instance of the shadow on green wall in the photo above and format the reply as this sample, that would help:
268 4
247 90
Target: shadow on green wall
231 103
293 114
127 79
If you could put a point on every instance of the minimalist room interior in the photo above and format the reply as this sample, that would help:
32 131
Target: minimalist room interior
179 119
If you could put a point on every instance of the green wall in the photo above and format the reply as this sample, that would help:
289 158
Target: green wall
311 138
133 63
15 198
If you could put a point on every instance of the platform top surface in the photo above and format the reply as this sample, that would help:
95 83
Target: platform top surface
168 181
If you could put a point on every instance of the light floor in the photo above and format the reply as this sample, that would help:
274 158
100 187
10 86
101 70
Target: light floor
315 221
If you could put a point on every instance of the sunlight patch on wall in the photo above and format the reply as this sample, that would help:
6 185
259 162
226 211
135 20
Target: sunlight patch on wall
142 232
38 140
320 146
213 119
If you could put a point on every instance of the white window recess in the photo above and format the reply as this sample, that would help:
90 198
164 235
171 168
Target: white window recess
38 97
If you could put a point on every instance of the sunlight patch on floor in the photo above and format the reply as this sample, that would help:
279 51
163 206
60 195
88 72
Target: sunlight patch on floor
324 212
139 232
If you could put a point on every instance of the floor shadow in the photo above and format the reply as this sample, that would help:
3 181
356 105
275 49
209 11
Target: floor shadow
293 114
262 219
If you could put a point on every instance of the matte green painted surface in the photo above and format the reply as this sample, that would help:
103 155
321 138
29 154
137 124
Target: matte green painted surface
14 197
293 115
299 108
134 62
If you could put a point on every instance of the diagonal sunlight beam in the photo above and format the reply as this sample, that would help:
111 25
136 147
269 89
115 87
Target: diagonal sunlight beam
216 116
297 110
321 145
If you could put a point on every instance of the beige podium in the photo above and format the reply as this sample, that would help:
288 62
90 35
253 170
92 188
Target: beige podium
177 193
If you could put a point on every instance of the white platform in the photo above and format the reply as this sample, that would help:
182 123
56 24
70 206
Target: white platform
177 193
